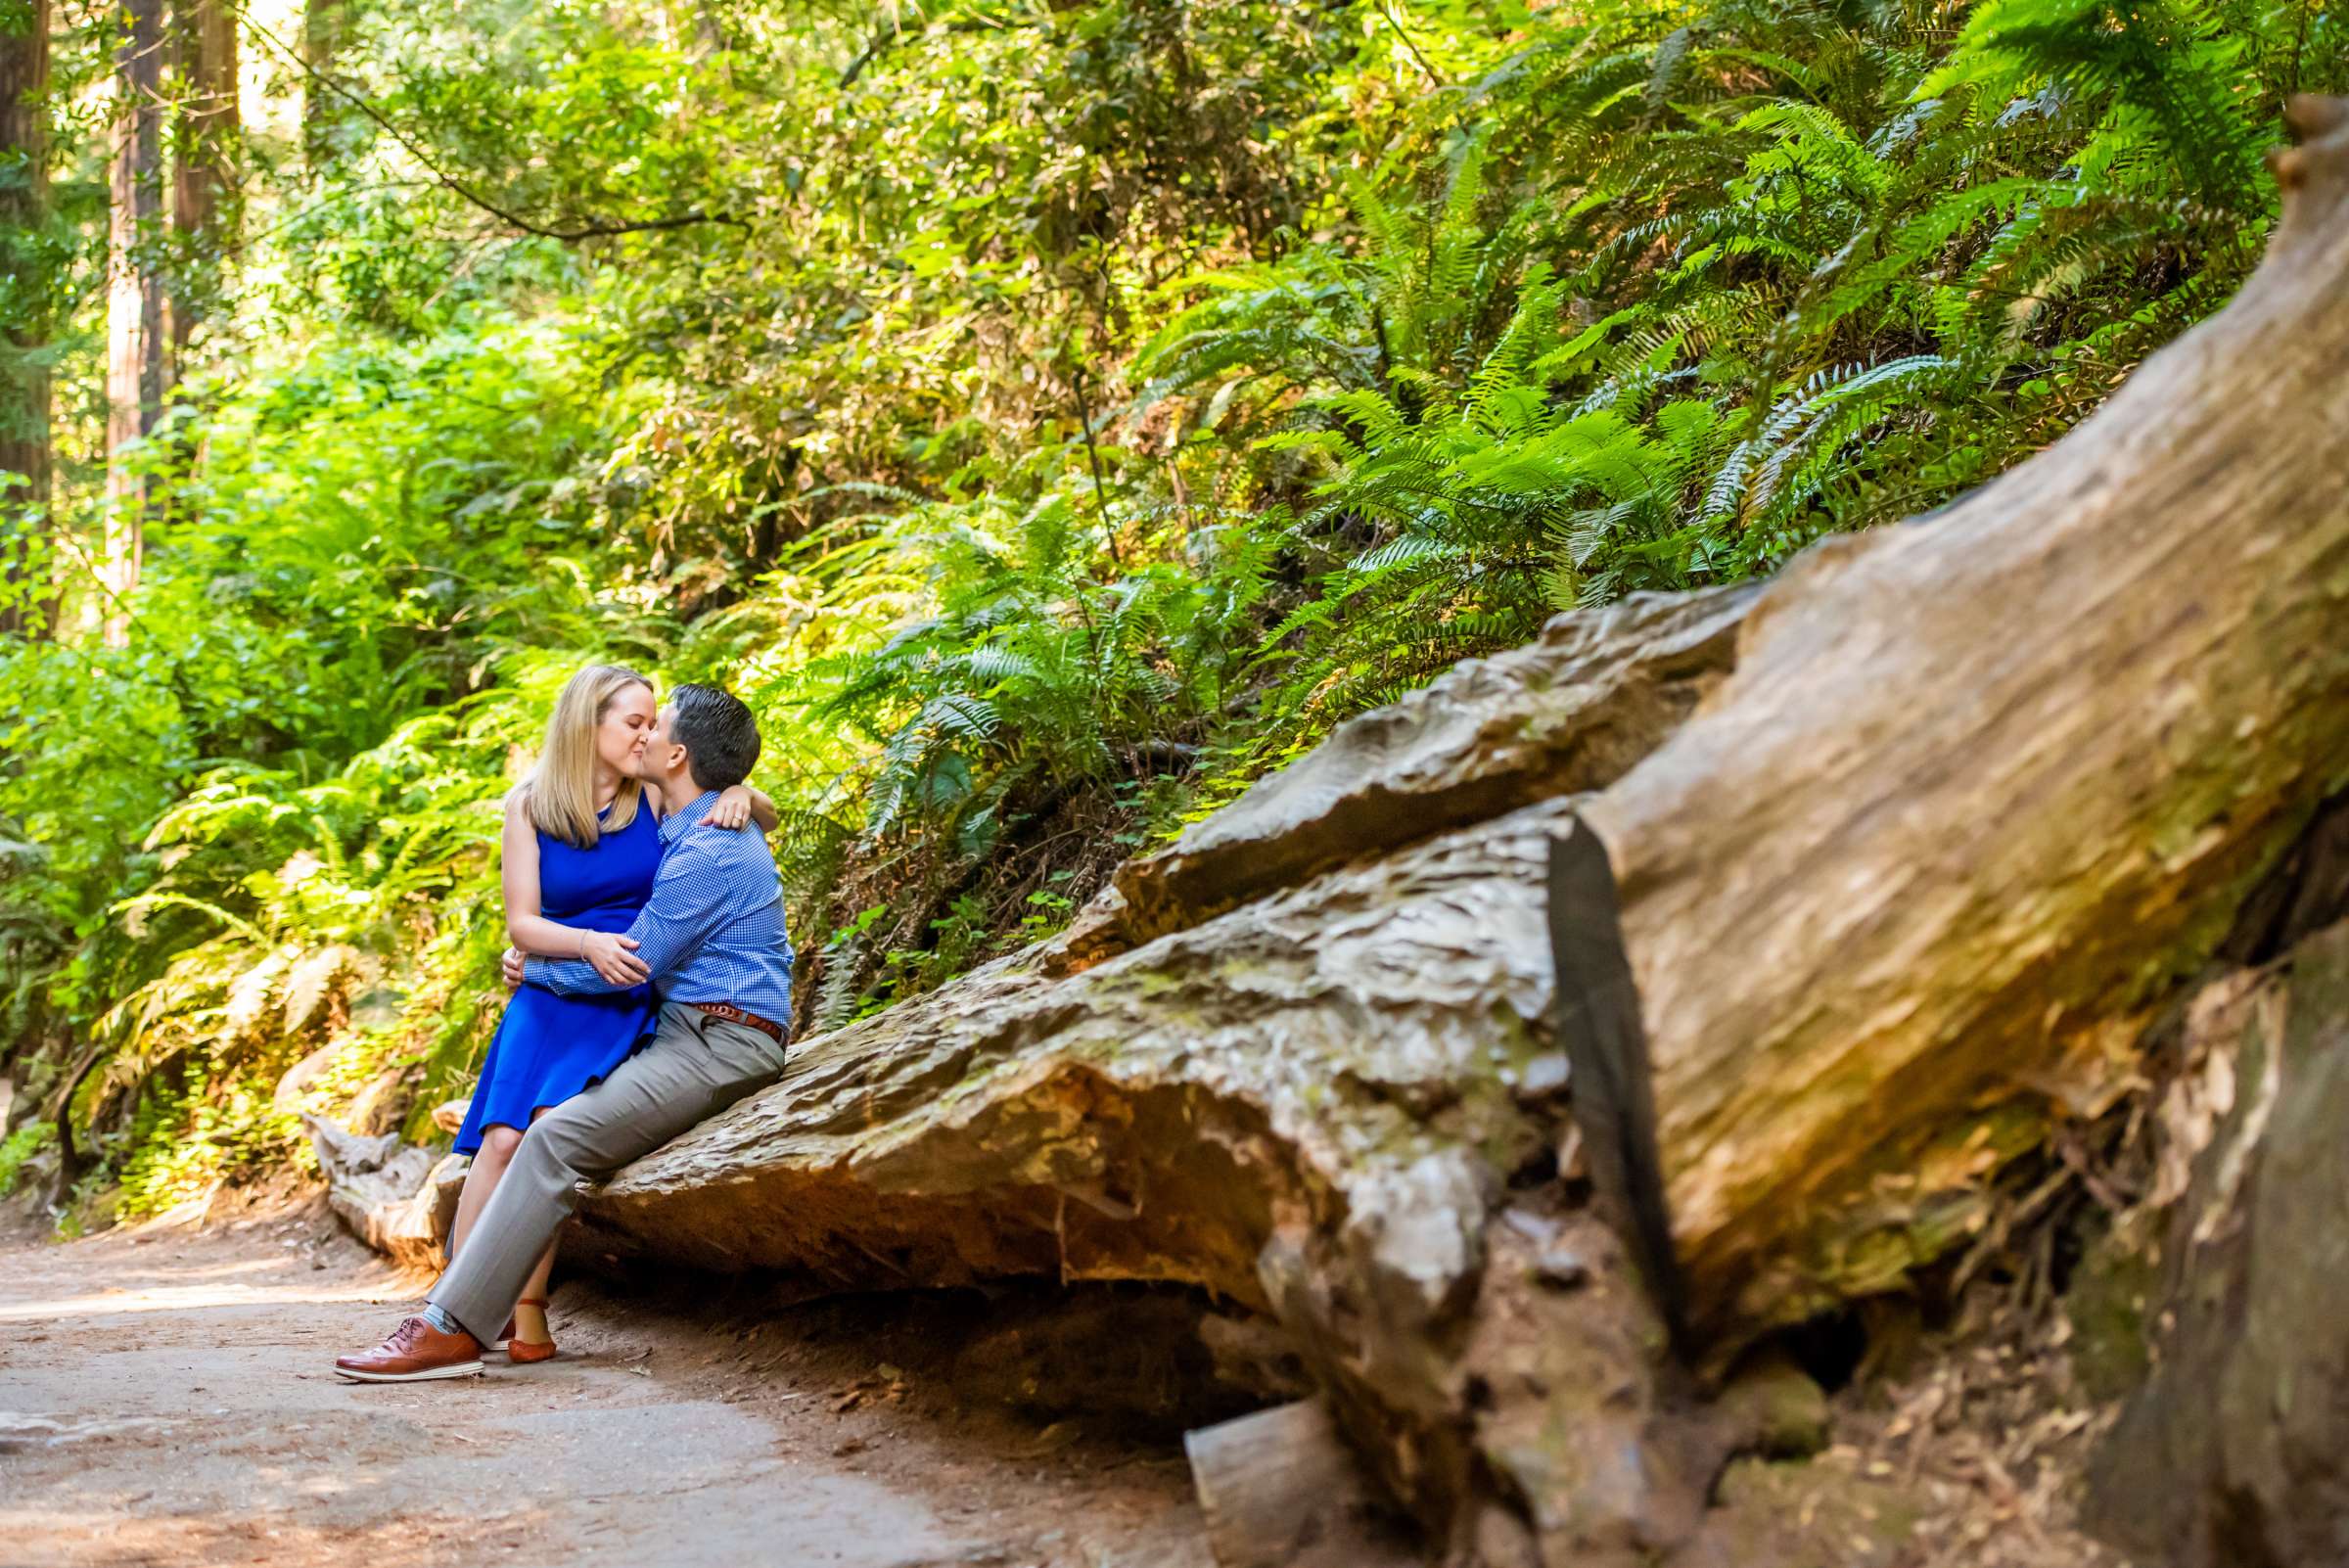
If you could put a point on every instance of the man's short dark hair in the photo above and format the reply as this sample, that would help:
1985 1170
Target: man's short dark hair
719 736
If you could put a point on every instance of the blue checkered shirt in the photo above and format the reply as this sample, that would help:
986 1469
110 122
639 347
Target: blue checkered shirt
712 930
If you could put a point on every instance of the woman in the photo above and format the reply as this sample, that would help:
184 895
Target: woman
580 849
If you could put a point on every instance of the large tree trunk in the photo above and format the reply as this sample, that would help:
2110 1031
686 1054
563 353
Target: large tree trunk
1961 805
25 382
203 208
136 375
1981 794
1912 843
1311 1107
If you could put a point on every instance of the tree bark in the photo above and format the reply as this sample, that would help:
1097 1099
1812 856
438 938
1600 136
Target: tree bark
322 25
1982 795
136 329
24 454
1310 1107
202 210
397 1198
2229 1451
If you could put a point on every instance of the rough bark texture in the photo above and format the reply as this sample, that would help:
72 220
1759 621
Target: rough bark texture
1571 712
24 379
1310 1107
1339 1058
1981 793
203 206
136 334
2231 1455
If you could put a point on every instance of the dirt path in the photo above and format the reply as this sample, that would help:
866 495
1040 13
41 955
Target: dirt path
165 1399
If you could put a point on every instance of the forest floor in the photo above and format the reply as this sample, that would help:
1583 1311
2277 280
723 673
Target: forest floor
166 1398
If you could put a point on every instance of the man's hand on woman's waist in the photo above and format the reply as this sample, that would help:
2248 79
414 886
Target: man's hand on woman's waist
612 956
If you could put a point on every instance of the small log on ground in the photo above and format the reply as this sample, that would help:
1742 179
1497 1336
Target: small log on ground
1279 1489
396 1197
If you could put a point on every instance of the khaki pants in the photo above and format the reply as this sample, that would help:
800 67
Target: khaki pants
692 1068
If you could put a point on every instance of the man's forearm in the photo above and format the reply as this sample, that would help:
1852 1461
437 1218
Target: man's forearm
570 977
668 928
661 936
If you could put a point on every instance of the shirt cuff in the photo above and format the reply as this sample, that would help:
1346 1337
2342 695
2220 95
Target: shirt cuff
539 971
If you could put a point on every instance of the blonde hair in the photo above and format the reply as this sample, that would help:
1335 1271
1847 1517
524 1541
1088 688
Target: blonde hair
561 789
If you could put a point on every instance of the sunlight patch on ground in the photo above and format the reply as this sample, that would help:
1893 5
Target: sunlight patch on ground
182 1297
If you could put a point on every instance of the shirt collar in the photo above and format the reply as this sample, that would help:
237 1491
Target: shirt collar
673 826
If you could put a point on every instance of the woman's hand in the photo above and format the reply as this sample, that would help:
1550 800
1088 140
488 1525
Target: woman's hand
733 807
614 957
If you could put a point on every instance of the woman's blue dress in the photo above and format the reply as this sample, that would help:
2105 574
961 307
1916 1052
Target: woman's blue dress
549 1048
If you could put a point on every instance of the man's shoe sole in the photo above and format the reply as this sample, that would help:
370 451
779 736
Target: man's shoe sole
460 1369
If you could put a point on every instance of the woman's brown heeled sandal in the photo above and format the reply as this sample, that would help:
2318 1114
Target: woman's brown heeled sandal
523 1351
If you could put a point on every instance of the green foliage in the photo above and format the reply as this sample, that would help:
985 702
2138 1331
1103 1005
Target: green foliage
240 831
21 1146
966 670
1703 289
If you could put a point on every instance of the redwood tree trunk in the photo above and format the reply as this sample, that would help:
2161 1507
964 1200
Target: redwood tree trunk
136 328
24 385
203 208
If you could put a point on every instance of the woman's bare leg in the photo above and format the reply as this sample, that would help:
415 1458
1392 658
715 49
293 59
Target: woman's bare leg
529 1322
498 1143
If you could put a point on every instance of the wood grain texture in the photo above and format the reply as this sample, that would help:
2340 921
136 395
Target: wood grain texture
1981 793
1281 1490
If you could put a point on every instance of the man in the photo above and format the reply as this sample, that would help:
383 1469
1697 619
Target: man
712 940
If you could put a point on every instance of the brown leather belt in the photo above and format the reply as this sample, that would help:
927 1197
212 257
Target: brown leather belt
735 1015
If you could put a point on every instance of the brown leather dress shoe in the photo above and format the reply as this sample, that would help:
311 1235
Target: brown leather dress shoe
415 1352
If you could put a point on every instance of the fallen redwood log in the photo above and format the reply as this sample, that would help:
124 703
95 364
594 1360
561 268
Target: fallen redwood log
1309 1107
1981 794
1909 845
1572 711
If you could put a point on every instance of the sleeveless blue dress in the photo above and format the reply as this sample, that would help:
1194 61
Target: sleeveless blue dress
549 1048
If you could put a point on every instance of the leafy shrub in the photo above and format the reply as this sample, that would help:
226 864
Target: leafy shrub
21 1146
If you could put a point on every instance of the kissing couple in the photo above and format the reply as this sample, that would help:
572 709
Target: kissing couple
652 988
